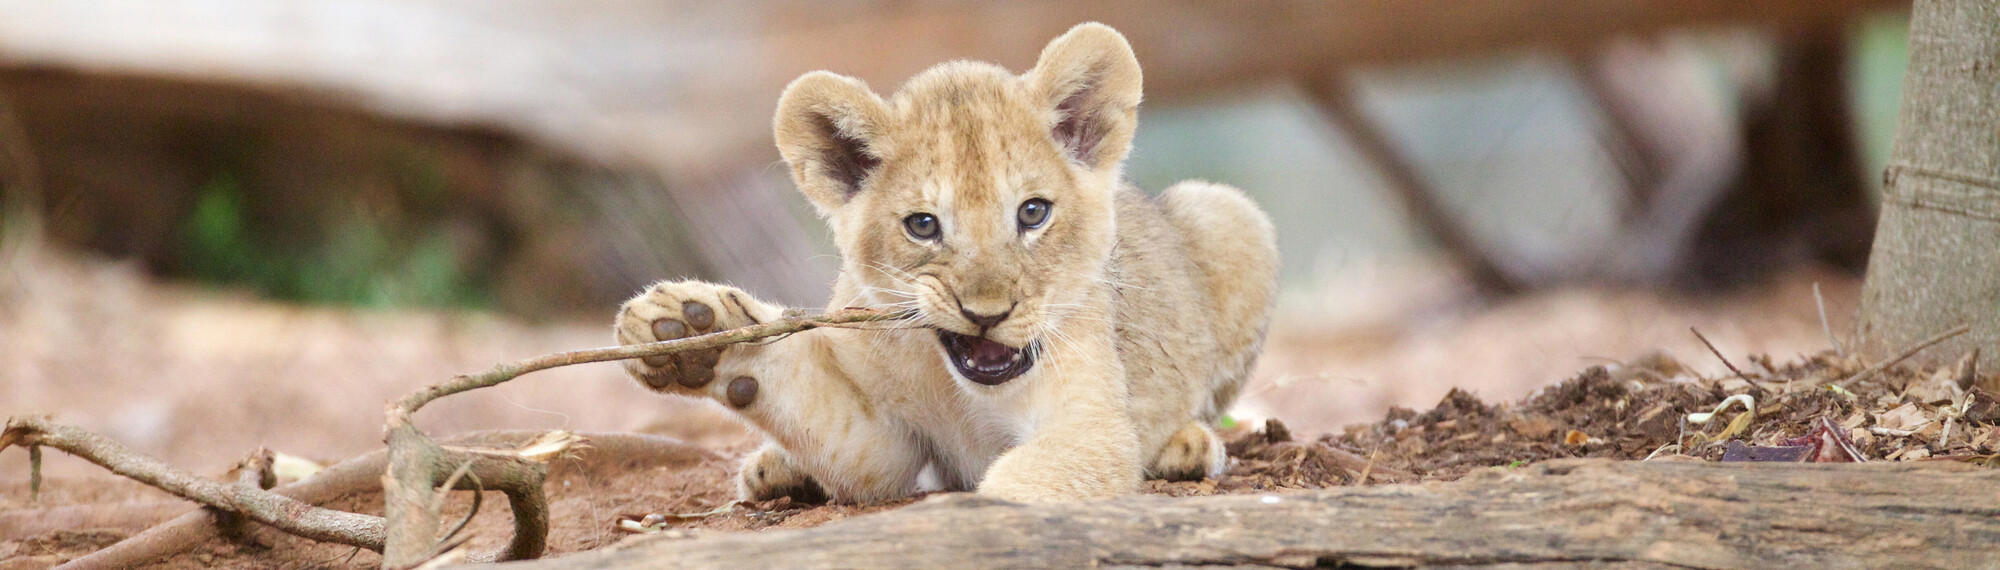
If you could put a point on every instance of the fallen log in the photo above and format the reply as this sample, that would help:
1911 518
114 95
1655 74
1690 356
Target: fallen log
1682 514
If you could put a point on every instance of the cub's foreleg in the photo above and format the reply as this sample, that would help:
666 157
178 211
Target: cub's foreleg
1081 443
824 432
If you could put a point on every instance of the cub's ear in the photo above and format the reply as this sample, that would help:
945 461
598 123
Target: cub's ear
829 129
1090 80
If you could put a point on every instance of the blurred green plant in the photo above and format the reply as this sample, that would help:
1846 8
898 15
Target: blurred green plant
1881 56
358 260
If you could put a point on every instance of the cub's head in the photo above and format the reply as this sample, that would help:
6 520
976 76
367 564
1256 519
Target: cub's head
981 198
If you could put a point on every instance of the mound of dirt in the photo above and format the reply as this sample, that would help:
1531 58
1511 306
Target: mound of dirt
1820 409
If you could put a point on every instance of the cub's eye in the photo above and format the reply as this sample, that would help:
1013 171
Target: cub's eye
921 226
1034 213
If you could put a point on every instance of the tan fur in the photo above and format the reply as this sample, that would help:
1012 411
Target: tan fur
1149 311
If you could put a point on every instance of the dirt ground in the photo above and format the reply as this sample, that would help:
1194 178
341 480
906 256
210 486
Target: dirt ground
1429 386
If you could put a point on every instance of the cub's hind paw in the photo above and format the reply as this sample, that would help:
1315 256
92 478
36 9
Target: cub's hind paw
1192 453
769 474
669 310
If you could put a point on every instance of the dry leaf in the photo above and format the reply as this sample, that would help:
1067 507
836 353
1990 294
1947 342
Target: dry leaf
1575 438
1905 418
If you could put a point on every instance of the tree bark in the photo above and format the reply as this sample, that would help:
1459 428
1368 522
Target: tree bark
1574 512
1936 259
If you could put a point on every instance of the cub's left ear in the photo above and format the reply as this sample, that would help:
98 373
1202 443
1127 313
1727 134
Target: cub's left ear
1090 80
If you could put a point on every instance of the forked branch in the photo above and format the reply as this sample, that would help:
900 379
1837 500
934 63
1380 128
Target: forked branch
416 465
284 513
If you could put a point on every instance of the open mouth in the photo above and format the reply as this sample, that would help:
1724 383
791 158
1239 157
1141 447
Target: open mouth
984 361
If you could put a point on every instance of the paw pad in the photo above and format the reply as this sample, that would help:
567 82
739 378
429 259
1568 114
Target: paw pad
693 375
698 315
669 329
742 391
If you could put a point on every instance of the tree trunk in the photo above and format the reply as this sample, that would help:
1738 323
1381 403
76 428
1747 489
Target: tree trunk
1936 259
1565 513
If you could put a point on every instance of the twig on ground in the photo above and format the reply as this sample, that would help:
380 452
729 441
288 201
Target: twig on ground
1909 352
34 473
178 534
1966 373
279 511
252 472
361 473
478 498
1354 463
1369 468
655 522
1725 360
1823 326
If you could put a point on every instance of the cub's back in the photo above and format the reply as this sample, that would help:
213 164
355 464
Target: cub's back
1194 274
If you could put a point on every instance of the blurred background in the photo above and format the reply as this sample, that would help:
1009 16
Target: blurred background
232 223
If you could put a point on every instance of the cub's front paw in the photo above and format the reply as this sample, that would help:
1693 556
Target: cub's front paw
677 309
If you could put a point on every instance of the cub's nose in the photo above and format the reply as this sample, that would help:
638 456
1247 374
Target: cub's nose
985 321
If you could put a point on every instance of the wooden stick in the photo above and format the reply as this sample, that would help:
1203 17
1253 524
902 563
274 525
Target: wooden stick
1823 326
362 473
284 513
418 466
504 372
1724 359
1912 351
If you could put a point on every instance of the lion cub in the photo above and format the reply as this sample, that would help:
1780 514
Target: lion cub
1075 334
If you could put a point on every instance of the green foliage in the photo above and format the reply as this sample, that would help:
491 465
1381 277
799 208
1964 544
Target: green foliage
358 260
1881 56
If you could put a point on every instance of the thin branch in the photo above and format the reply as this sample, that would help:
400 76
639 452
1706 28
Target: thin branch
1823 326
1724 359
253 472
1912 351
479 499
362 473
279 511
504 372
34 473
418 467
